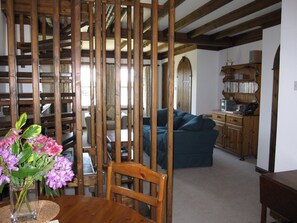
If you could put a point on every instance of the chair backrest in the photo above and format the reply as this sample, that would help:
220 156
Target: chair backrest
141 172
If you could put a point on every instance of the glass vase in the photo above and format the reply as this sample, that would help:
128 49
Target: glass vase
23 200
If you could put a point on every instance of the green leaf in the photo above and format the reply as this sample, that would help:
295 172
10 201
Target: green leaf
21 122
44 170
32 131
26 153
24 172
15 148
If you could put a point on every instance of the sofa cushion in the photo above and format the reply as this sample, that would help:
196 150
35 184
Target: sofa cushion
195 124
177 121
162 117
208 123
186 118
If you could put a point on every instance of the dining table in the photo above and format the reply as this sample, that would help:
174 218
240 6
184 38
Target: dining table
79 208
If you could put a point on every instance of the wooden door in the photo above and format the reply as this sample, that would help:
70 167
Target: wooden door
165 85
184 85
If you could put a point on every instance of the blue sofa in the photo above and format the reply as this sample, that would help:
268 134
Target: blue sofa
193 139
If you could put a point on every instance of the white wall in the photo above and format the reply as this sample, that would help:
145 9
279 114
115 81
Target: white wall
286 142
271 41
208 71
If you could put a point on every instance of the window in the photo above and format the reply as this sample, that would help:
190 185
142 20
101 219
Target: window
124 86
85 86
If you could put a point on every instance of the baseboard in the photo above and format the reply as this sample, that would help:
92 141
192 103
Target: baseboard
260 170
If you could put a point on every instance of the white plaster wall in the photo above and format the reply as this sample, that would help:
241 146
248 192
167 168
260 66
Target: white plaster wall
271 41
208 71
239 54
286 142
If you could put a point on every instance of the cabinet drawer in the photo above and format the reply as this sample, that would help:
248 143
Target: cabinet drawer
234 120
219 117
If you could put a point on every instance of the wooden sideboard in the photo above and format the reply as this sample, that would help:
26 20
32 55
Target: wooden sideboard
238 134
278 191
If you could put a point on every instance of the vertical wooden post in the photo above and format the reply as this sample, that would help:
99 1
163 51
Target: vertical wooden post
76 48
170 110
129 68
35 61
56 60
118 79
91 64
12 67
136 59
136 80
141 88
98 25
154 68
104 81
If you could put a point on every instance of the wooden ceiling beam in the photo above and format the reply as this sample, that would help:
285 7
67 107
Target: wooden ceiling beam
45 7
273 17
199 13
252 36
232 16
179 38
162 13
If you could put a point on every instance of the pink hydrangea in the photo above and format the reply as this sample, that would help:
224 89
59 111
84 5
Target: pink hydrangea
43 144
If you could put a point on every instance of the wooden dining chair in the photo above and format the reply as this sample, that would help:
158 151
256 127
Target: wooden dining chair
137 171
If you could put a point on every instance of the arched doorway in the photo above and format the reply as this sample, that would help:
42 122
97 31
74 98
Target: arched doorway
274 109
184 85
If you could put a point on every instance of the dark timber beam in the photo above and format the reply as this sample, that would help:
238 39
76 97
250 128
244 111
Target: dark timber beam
232 16
274 16
199 13
162 13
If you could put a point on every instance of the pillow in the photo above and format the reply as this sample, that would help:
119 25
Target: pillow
110 113
177 120
162 117
194 124
208 123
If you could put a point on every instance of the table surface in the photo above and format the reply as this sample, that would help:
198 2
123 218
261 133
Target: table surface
278 191
77 209
124 135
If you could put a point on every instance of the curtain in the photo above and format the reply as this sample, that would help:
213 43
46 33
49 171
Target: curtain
147 94
110 86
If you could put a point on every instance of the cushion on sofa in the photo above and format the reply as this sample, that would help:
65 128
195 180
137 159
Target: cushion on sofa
208 123
177 121
162 117
195 124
